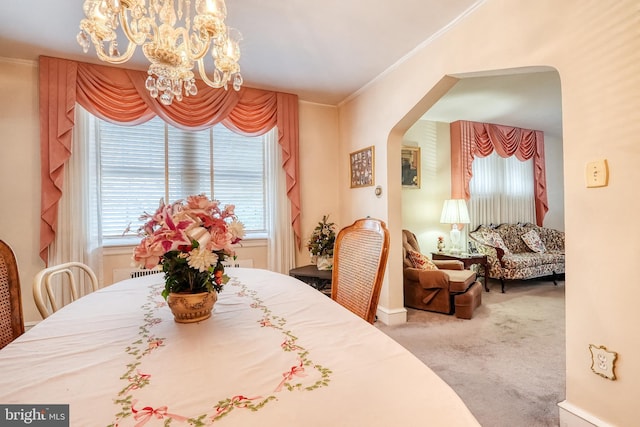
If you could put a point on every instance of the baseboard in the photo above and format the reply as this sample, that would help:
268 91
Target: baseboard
573 416
392 317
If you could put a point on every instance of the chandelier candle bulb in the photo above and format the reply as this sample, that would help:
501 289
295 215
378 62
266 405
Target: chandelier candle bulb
215 7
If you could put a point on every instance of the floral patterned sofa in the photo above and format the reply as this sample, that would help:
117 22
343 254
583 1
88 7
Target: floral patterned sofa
520 251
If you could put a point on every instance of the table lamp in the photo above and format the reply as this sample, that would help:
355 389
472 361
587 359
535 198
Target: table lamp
455 212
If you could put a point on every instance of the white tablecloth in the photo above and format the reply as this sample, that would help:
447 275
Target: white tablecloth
274 353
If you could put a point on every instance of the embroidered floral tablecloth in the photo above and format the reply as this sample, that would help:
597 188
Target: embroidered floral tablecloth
274 353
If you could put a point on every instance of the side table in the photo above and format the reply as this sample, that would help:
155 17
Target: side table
467 259
318 279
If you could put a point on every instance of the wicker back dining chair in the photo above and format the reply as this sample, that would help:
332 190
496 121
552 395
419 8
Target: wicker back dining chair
11 320
44 279
359 262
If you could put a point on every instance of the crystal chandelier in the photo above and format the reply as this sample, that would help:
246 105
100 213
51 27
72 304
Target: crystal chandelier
172 50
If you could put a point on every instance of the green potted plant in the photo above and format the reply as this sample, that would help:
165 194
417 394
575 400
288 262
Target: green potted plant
321 243
190 240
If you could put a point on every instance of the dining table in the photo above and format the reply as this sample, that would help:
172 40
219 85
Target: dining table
275 352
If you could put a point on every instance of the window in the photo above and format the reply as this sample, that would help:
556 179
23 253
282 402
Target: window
502 190
139 165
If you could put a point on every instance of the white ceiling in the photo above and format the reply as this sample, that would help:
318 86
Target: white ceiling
323 51
529 100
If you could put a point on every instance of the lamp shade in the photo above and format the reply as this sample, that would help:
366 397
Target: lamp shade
455 211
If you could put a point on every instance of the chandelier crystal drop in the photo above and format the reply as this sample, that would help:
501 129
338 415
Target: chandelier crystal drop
174 35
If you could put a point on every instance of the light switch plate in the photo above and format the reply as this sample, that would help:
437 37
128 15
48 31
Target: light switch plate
597 173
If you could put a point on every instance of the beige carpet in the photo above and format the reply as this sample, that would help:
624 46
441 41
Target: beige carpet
508 362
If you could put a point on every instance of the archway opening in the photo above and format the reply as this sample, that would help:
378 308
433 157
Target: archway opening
528 98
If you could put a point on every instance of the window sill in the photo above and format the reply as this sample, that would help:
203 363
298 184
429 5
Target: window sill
125 246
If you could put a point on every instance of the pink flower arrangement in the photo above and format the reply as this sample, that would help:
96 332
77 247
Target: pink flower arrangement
190 241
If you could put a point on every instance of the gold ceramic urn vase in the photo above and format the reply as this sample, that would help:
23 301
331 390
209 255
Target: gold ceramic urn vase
191 308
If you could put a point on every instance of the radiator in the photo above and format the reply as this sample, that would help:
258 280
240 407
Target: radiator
246 263
142 272
129 273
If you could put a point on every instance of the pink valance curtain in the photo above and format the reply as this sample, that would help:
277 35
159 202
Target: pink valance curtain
119 95
473 139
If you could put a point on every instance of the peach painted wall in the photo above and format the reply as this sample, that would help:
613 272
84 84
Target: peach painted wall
596 50
20 171
318 170
421 207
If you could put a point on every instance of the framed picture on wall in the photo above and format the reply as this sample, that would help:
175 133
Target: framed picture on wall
362 167
410 167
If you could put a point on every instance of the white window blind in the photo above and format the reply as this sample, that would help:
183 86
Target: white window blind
188 163
239 175
131 170
139 165
502 190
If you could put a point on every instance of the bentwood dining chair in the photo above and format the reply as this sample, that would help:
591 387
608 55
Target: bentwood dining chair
359 262
55 276
11 320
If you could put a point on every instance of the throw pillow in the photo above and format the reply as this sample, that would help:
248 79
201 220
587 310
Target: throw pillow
494 239
420 261
533 241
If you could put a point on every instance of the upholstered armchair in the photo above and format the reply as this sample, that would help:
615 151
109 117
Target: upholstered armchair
440 286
